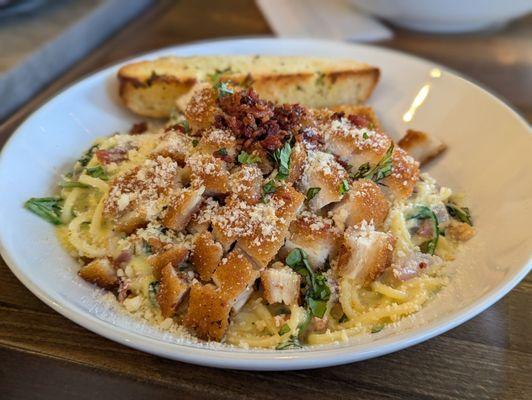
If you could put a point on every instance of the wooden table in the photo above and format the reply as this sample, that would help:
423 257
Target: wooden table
43 355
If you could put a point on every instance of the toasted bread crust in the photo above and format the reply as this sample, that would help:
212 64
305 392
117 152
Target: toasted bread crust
151 88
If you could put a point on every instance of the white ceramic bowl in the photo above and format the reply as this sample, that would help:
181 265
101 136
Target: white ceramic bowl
446 16
488 157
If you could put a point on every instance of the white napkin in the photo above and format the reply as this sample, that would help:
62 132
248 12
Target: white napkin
331 19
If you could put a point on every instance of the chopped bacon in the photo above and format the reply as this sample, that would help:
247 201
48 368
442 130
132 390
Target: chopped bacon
360 121
138 128
410 265
123 288
175 127
258 121
426 228
123 258
114 155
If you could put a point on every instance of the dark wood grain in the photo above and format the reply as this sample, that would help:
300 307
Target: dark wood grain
43 355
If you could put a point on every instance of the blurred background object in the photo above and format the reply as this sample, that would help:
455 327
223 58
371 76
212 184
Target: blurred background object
446 16
39 39
331 19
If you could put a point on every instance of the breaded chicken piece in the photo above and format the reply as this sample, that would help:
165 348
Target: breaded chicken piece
175 145
200 106
270 224
209 171
405 173
364 254
234 275
202 219
208 312
206 255
173 288
363 202
213 140
182 207
315 235
281 285
246 183
136 197
297 162
170 254
100 272
422 146
265 164
322 171
353 145
229 221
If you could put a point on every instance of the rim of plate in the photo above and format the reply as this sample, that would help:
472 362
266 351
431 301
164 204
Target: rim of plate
262 360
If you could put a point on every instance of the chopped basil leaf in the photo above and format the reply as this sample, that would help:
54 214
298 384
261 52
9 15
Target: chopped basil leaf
461 214
72 184
292 343
423 212
365 135
48 208
246 158
185 125
85 158
215 77
195 142
312 192
223 89
282 157
146 248
222 152
380 171
284 329
344 187
318 292
268 188
97 172
320 80
153 289
362 171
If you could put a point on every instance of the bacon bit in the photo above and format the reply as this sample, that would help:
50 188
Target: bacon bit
175 127
123 289
221 155
338 115
426 229
422 265
116 154
258 121
123 258
312 138
359 121
138 128
318 324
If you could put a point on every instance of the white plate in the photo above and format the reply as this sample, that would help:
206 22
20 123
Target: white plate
488 157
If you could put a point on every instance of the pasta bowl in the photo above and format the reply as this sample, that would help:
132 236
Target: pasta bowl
487 158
